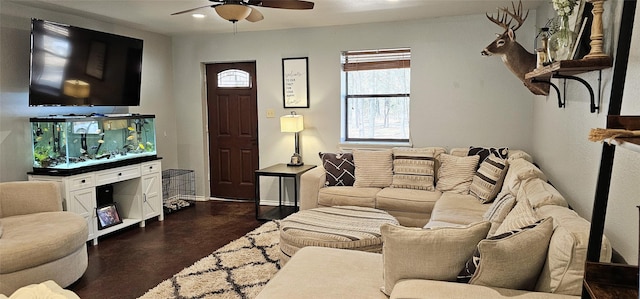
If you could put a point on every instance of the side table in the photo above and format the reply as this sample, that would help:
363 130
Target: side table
281 171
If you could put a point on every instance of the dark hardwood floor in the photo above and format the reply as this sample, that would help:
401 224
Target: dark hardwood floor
127 263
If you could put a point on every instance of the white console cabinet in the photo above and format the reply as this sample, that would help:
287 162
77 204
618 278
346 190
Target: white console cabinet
137 192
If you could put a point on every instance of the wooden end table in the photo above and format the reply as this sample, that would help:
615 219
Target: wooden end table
281 171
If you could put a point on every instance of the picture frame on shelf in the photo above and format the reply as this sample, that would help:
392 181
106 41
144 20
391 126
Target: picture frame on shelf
583 38
295 82
108 216
578 42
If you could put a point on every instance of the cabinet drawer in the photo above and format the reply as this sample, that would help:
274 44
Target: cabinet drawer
117 175
150 167
81 182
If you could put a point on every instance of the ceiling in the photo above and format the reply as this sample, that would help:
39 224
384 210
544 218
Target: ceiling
155 15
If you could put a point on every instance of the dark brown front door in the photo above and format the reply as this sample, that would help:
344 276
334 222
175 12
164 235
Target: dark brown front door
233 129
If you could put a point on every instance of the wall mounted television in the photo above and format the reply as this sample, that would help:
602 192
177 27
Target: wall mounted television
73 66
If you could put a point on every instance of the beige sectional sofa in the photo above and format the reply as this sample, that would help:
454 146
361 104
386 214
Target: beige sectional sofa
316 272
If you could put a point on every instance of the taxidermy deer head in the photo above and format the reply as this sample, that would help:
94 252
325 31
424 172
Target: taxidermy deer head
517 59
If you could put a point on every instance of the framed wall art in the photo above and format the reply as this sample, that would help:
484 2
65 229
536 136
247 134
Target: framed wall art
295 82
108 216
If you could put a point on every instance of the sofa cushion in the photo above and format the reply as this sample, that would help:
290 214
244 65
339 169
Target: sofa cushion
519 171
456 173
35 239
487 181
318 272
436 254
513 259
373 168
347 196
484 152
520 216
540 193
456 209
406 200
499 210
339 168
563 269
413 168
421 288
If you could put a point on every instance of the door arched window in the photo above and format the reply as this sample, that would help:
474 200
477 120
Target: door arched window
234 78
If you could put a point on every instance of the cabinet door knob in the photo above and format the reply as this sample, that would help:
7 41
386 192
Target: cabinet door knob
119 174
83 181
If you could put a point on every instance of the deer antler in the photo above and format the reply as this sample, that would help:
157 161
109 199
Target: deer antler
504 21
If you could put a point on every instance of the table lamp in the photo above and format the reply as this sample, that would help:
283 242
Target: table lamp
293 123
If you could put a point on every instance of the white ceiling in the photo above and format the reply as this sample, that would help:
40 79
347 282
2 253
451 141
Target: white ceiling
155 15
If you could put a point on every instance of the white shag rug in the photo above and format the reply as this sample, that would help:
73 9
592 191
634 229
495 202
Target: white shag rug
240 269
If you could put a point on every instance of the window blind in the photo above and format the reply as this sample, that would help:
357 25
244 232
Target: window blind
376 59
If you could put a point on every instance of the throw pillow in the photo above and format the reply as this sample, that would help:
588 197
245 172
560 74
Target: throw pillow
510 260
488 179
456 173
413 168
339 168
373 168
484 152
540 193
519 171
436 254
499 209
520 216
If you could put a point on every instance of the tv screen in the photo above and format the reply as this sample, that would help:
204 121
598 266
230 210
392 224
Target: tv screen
72 66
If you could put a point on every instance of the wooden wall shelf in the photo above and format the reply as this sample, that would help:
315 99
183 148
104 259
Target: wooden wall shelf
567 69
625 122
570 67
604 281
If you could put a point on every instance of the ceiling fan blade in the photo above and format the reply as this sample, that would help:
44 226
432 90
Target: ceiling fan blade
190 10
286 4
255 16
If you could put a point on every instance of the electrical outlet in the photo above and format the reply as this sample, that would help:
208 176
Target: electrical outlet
271 113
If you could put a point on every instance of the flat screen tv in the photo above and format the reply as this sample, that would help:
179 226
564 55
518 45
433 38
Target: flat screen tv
72 66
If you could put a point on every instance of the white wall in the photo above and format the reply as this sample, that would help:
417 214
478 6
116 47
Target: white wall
15 135
458 97
561 148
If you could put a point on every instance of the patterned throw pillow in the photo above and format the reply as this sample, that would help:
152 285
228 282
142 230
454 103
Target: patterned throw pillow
456 173
521 216
510 260
374 168
488 179
498 210
413 168
339 168
484 152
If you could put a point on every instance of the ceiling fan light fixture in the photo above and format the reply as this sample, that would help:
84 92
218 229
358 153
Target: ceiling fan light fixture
233 12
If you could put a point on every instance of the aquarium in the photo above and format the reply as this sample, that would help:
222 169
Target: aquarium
75 144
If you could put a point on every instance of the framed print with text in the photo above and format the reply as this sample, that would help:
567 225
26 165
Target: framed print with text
295 82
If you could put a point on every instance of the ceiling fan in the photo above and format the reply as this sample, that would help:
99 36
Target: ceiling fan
237 10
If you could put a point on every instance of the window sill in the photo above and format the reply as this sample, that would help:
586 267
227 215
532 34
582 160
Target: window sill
351 145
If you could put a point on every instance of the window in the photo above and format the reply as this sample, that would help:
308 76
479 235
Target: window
376 88
234 78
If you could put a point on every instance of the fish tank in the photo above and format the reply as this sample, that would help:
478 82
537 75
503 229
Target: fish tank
76 144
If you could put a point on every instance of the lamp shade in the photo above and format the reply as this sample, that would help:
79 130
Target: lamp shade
76 88
233 12
291 123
